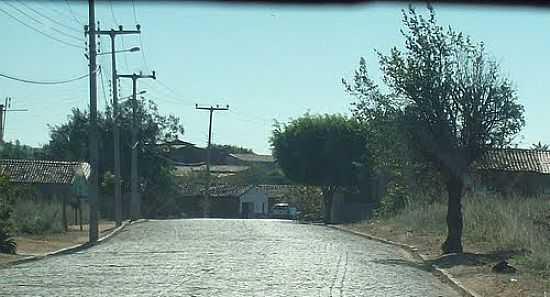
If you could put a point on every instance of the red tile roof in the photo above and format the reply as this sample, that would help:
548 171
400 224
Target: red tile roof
43 171
516 160
253 158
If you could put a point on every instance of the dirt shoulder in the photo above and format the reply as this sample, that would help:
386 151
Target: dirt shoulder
473 269
35 245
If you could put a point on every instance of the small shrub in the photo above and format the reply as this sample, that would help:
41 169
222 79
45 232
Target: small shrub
7 244
34 216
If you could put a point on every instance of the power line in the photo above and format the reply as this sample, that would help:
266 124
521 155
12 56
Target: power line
49 18
140 39
40 22
40 32
76 19
44 82
113 12
121 37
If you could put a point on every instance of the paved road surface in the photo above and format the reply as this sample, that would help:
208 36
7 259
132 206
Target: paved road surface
225 258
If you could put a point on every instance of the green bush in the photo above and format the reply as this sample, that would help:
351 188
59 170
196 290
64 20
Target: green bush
34 216
7 244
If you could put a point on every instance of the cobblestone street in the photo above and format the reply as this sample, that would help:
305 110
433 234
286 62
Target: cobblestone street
225 258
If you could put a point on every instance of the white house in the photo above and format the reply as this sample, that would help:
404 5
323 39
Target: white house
253 203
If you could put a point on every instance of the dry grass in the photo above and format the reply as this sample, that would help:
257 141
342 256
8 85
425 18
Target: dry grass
493 223
35 216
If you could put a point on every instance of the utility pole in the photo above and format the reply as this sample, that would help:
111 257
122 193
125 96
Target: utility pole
93 136
116 131
211 109
135 204
4 108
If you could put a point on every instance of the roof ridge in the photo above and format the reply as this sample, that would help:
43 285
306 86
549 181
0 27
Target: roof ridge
42 161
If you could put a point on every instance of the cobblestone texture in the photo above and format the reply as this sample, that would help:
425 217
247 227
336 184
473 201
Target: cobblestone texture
225 258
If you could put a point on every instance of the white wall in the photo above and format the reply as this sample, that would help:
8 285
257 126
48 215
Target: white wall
258 198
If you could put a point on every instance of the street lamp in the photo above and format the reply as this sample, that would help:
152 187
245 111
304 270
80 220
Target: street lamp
130 97
130 50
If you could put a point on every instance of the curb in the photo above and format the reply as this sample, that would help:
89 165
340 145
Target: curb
74 248
441 273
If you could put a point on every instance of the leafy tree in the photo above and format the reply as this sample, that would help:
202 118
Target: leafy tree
69 141
393 163
225 149
17 150
540 147
320 150
451 101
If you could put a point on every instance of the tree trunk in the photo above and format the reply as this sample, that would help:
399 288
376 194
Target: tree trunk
328 197
64 214
453 243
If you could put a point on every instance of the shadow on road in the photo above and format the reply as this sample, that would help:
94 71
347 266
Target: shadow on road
452 260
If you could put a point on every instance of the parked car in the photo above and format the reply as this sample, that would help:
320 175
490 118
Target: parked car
283 211
280 211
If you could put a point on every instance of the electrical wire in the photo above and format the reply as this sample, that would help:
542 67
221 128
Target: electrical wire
48 17
174 93
76 19
121 37
113 12
40 22
44 82
140 39
39 31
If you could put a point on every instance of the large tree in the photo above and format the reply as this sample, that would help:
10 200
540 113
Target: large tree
453 103
69 141
320 150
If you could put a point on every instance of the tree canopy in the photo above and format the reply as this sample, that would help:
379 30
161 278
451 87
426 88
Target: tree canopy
448 100
320 150
69 141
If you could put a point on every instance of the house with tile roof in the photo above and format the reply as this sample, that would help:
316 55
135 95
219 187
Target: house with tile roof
239 159
522 172
226 201
61 180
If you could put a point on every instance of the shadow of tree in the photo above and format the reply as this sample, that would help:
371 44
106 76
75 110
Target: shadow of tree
452 260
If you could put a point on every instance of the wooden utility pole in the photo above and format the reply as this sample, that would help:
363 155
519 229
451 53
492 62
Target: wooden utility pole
4 108
93 184
116 131
211 109
135 204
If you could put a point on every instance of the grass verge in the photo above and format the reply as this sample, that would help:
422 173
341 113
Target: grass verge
494 228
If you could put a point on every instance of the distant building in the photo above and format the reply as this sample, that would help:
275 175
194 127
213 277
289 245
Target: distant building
226 201
217 170
247 159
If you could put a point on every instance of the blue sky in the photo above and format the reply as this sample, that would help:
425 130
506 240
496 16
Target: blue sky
266 62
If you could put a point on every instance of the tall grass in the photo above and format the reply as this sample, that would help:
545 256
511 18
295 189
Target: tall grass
514 223
36 216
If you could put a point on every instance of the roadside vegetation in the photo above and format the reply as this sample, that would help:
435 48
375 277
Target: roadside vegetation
7 243
34 216
492 223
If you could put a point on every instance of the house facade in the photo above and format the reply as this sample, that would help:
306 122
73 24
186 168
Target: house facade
507 172
226 201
